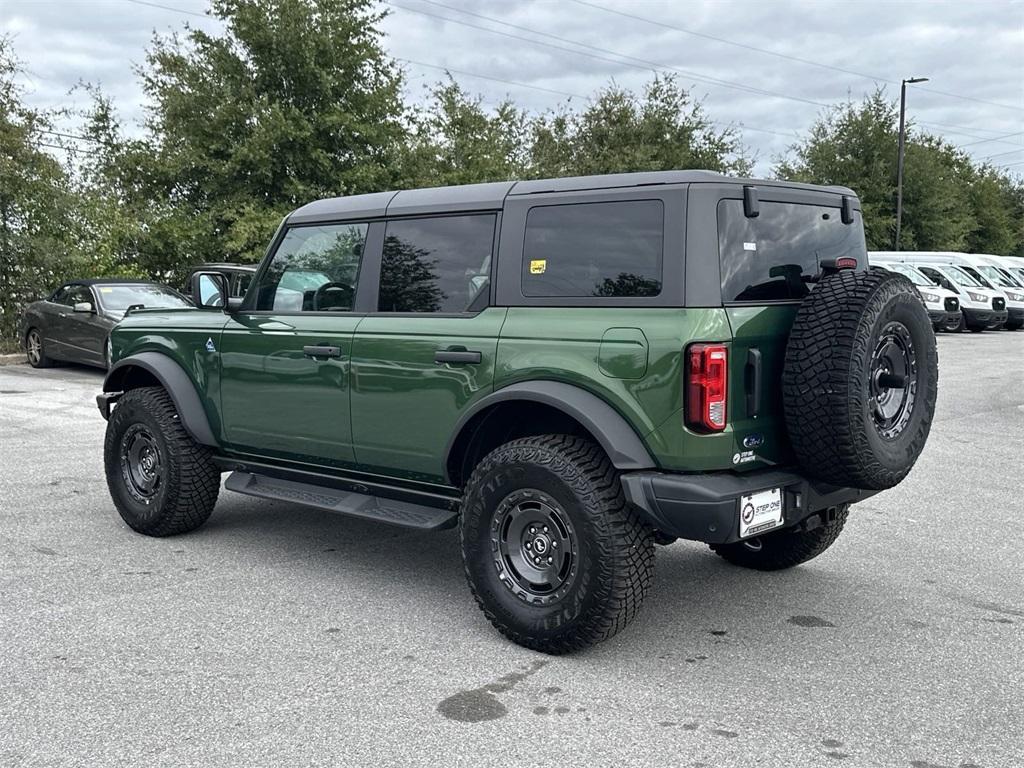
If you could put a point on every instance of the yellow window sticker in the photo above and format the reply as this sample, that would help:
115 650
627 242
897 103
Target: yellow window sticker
538 266
106 290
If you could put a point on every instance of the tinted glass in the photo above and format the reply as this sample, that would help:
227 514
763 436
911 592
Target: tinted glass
775 256
939 278
436 265
119 297
960 277
315 269
594 249
60 296
79 294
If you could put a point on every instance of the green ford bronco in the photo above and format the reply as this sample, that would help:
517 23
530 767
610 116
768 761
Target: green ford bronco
569 370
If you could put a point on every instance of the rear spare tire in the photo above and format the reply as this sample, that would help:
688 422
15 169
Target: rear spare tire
860 379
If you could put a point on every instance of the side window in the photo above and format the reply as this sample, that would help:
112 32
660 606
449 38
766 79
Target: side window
315 269
939 278
240 283
438 264
594 249
78 294
60 296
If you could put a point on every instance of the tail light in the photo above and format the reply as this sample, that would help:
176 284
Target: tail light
707 379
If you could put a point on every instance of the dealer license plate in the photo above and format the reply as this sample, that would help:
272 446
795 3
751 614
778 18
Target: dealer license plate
760 512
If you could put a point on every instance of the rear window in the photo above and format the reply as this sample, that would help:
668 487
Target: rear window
774 256
594 249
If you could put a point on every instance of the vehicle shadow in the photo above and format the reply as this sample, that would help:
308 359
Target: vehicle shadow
696 599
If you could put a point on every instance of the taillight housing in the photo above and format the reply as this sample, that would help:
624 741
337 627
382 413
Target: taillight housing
707 385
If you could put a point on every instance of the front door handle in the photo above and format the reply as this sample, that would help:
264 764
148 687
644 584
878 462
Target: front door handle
62 314
321 351
457 356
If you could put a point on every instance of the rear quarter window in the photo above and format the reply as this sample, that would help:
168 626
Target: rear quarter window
611 249
776 255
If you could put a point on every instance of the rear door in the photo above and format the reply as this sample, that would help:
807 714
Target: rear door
286 356
768 265
428 350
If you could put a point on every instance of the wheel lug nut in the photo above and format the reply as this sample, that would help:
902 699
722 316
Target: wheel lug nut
550 560
545 529
529 545
554 545
533 529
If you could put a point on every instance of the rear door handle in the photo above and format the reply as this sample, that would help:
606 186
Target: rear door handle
62 314
457 356
318 351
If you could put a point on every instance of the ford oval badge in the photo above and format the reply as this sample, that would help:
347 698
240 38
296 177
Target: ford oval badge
753 441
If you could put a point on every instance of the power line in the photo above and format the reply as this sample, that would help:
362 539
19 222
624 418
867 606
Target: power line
644 64
169 8
495 79
1003 154
784 55
997 138
68 135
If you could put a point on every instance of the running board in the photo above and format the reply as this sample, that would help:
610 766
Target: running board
404 513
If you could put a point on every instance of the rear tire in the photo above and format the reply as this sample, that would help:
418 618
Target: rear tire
555 557
161 480
35 351
783 549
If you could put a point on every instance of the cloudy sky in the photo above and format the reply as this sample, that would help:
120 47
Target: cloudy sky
767 68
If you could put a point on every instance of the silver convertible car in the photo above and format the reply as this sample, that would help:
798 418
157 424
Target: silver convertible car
74 322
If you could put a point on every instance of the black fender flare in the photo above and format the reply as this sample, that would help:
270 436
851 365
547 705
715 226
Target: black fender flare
625 449
179 386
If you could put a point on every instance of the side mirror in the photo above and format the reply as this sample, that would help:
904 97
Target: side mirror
84 307
209 290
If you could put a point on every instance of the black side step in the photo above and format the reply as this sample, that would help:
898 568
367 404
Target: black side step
403 513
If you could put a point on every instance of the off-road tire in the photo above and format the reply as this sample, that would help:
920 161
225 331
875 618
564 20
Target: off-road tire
189 481
42 361
830 372
615 560
784 549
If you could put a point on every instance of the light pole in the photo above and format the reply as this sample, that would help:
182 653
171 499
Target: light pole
899 156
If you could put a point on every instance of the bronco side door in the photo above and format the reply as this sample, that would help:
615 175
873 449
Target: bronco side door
428 351
286 355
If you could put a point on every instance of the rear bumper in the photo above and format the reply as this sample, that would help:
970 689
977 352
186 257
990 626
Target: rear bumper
706 507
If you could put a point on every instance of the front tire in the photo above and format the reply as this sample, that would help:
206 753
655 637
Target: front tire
34 350
161 480
784 549
555 557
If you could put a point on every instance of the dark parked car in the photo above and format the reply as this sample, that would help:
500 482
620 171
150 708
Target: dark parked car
237 277
74 322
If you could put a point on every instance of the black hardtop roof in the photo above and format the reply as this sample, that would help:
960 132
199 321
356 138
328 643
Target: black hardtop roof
226 265
491 196
113 281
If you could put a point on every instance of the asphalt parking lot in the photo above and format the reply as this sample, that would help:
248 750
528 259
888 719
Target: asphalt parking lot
279 635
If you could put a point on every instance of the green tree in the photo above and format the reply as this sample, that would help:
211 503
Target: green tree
36 201
294 101
948 202
454 140
620 131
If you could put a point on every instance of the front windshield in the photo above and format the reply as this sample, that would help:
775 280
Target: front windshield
998 277
118 298
915 277
960 277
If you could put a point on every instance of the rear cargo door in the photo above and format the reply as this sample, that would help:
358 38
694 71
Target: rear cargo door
769 263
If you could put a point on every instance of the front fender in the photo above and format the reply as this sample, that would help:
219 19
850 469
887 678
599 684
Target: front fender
173 378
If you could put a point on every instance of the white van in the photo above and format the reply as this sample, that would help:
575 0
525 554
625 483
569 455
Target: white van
942 304
1008 277
984 306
